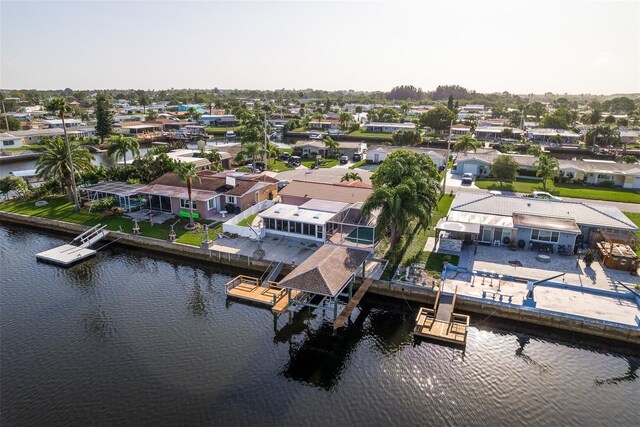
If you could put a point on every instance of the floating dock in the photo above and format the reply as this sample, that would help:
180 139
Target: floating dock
65 255
266 293
441 323
69 254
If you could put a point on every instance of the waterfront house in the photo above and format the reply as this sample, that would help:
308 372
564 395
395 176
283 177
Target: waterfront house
313 147
629 136
137 128
212 193
57 123
497 133
459 130
472 111
498 220
300 192
34 136
324 124
8 140
376 127
546 135
219 120
479 163
378 153
591 171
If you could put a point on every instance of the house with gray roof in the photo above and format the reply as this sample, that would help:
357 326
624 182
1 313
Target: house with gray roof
591 171
377 153
479 163
493 219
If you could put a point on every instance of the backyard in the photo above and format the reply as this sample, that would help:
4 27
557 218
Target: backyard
59 208
410 247
563 190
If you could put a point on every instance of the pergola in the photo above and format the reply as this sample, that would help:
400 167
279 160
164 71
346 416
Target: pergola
458 230
326 275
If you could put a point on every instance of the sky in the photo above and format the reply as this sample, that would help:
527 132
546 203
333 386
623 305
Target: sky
489 46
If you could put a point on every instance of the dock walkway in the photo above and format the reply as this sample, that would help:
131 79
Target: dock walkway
253 289
441 323
353 302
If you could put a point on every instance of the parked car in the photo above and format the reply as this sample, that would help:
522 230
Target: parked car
344 160
282 183
285 156
357 157
467 178
260 166
543 195
294 161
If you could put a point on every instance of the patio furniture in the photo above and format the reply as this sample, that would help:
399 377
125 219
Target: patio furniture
497 243
543 258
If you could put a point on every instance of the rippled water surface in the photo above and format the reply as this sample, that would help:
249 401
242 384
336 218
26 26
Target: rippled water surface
131 337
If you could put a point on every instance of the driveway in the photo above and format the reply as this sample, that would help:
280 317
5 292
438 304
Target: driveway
454 183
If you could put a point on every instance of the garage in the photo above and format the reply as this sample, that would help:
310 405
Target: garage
470 168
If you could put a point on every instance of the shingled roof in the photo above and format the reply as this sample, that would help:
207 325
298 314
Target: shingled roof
326 271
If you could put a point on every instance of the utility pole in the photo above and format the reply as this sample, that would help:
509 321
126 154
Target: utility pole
446 164
4 111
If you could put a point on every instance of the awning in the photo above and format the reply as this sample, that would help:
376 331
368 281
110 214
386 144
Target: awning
458 227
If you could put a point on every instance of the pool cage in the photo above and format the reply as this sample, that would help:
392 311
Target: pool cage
126 195
350 227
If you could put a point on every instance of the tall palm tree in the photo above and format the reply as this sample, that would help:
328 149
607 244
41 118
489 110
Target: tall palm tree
345 118
187 172
143 100
466 143
351 176
332 146
56 161
547 168
250 150
59 106
120 145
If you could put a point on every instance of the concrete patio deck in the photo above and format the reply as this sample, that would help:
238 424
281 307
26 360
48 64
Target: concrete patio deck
276 249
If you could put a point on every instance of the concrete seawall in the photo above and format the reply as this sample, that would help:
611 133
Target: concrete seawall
567 322
557 320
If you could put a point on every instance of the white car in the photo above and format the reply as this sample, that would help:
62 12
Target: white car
544 195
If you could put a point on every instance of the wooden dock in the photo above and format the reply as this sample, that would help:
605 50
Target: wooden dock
267 293
353 302
441 323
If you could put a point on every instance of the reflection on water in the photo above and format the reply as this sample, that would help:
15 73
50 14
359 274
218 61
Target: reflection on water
134 338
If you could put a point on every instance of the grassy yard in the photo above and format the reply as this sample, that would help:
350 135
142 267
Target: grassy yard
635 217
59 208
248 220
221 130
327 163
278 166
358 164
30 147
564 190
409 248
365 135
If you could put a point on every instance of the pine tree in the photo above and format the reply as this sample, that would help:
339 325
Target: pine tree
104 117
450 103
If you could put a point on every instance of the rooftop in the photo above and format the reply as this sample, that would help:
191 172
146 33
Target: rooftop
325 191
297 213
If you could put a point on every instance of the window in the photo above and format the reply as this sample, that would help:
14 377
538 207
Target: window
184 204
7 143
605 177
231 199
545 236
212 204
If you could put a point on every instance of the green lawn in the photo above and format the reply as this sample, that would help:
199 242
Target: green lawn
30 147
248 221
635 217
365 135
279 166
221 130
409 248
300 129
564 190
59 208
326 163
358 164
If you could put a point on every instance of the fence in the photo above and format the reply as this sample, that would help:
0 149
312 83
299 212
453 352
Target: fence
232 226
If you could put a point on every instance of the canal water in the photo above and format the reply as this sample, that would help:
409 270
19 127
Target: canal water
136 338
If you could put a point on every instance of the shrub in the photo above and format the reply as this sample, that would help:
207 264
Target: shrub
588 257
606 184
104 205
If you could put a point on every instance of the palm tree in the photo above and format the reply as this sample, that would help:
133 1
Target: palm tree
59 106
466 143
61 160
120 145
345 118
250 150
187 172
547 168
351 176
194 115
332 146
143 100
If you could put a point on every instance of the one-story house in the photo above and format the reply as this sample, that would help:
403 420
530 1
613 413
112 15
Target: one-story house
324 124
493 219
34 136
595 172
459 130
137 128
479 163
312 147
211 194
496 133
546 135
57 123
219 120
378 153
8 140
629 136
300 192
376 127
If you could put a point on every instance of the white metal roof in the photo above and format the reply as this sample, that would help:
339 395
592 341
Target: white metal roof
296 213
